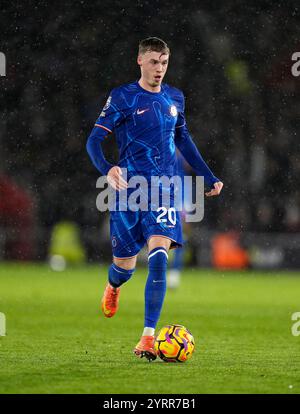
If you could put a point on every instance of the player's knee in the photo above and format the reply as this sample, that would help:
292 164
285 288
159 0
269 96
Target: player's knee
127 263
156 241
117 275
158 259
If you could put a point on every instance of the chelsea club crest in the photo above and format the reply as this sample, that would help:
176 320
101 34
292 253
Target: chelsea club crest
173 110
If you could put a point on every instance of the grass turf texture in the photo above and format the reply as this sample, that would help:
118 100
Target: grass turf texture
58 342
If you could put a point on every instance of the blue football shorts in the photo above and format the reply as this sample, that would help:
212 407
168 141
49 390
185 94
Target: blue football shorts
130 230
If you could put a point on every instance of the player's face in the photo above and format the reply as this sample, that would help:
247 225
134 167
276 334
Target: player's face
153 67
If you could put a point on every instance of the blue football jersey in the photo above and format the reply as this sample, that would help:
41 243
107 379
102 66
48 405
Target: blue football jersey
148 127
144 124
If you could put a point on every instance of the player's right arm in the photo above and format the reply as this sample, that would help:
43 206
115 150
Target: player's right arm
109 118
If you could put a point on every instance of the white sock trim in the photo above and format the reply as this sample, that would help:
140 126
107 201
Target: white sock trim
158 251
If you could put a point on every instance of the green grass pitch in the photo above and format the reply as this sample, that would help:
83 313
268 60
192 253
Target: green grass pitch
58 342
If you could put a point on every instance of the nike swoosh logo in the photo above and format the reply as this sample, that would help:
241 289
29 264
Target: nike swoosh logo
141 111
156 281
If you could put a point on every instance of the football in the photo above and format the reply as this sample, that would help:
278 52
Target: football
174 343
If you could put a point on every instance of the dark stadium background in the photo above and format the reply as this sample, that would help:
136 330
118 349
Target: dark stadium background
233 62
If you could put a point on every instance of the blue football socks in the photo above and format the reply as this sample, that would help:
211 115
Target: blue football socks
117 276
155 289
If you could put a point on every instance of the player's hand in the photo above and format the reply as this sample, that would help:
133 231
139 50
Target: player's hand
114 178
216 190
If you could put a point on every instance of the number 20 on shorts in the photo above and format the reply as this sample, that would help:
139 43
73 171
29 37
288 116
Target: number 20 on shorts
170 213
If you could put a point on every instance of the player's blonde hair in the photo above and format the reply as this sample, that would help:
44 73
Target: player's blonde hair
153 44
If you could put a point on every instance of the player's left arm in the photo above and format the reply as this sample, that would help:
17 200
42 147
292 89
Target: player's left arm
188 149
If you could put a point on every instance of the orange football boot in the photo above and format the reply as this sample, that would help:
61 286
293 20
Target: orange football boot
145 348
110 301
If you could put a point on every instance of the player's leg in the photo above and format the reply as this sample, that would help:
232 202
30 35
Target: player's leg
155 291
124 228
120 271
